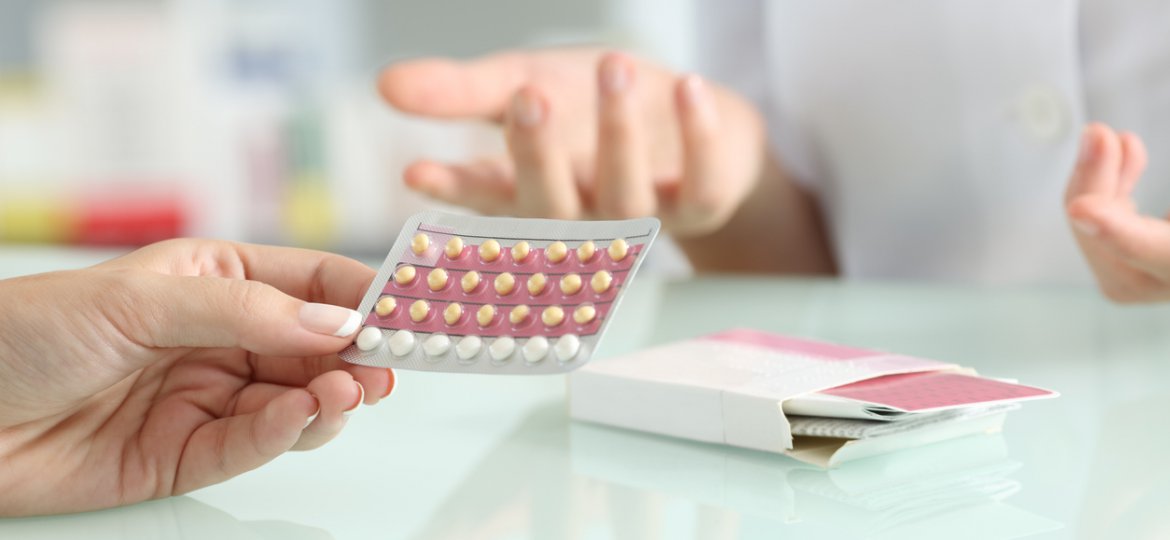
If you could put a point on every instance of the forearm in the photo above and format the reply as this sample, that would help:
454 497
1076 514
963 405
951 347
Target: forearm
777 230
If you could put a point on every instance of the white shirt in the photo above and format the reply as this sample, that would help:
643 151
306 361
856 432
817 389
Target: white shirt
939 135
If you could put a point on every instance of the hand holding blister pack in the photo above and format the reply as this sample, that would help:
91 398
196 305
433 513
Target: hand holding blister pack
475 294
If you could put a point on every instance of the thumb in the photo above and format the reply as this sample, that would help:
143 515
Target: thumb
444 88
213 312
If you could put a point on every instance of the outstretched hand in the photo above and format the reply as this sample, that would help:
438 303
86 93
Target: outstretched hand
1129 252
172 368
590 135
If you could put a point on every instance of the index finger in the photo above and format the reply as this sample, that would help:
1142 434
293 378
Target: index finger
1098 165
445 88
312 276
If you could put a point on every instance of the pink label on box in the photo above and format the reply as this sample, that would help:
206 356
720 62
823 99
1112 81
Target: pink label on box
814 349
918 392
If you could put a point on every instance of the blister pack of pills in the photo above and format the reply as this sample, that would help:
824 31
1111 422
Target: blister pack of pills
473 294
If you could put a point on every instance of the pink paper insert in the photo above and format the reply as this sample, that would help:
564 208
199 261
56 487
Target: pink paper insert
917 392
816 349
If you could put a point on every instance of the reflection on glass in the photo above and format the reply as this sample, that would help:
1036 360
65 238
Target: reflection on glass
176 518
554 479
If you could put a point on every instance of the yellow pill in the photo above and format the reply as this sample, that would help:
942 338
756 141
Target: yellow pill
419 310
485 315
470 281
536 283
585 251
570 283
489 251
552 316
556 252
404 275
585 314
520 251
385 306
453 312
518 314
601 281
420 243
505 283
437 279
454 247
618 249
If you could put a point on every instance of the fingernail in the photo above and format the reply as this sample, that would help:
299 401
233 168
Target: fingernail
330 320
615 76
314 415
391 384
526 109
361 398
1086 228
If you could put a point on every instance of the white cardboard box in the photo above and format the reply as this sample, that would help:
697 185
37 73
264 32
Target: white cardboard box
730 388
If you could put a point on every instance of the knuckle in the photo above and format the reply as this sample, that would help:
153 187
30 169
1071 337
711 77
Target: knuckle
249 297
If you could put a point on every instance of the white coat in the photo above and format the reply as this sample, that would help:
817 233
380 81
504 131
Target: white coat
939 135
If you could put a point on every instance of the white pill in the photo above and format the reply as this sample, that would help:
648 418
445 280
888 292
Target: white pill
468 347
567 347
502 348
536 349
369 338
401 343
437 345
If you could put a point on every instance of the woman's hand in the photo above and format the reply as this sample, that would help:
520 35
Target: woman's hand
175 367
590 135
1129 252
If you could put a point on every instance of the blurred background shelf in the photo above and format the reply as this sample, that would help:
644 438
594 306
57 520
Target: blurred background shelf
127 121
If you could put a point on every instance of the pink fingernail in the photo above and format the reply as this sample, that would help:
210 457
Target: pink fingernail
615 76
1086 228
527 110
329 320
361 398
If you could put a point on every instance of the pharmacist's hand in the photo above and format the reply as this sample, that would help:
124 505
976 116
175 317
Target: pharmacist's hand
1129 252
590 135
175 367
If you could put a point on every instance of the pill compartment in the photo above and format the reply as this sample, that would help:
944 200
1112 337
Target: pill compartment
480 294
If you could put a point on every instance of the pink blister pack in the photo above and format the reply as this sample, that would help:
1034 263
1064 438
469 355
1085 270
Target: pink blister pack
474 294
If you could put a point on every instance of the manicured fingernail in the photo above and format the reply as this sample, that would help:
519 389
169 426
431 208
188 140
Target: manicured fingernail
1086 228
314 415
330 320
361 398
390 384
615 76
527 110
